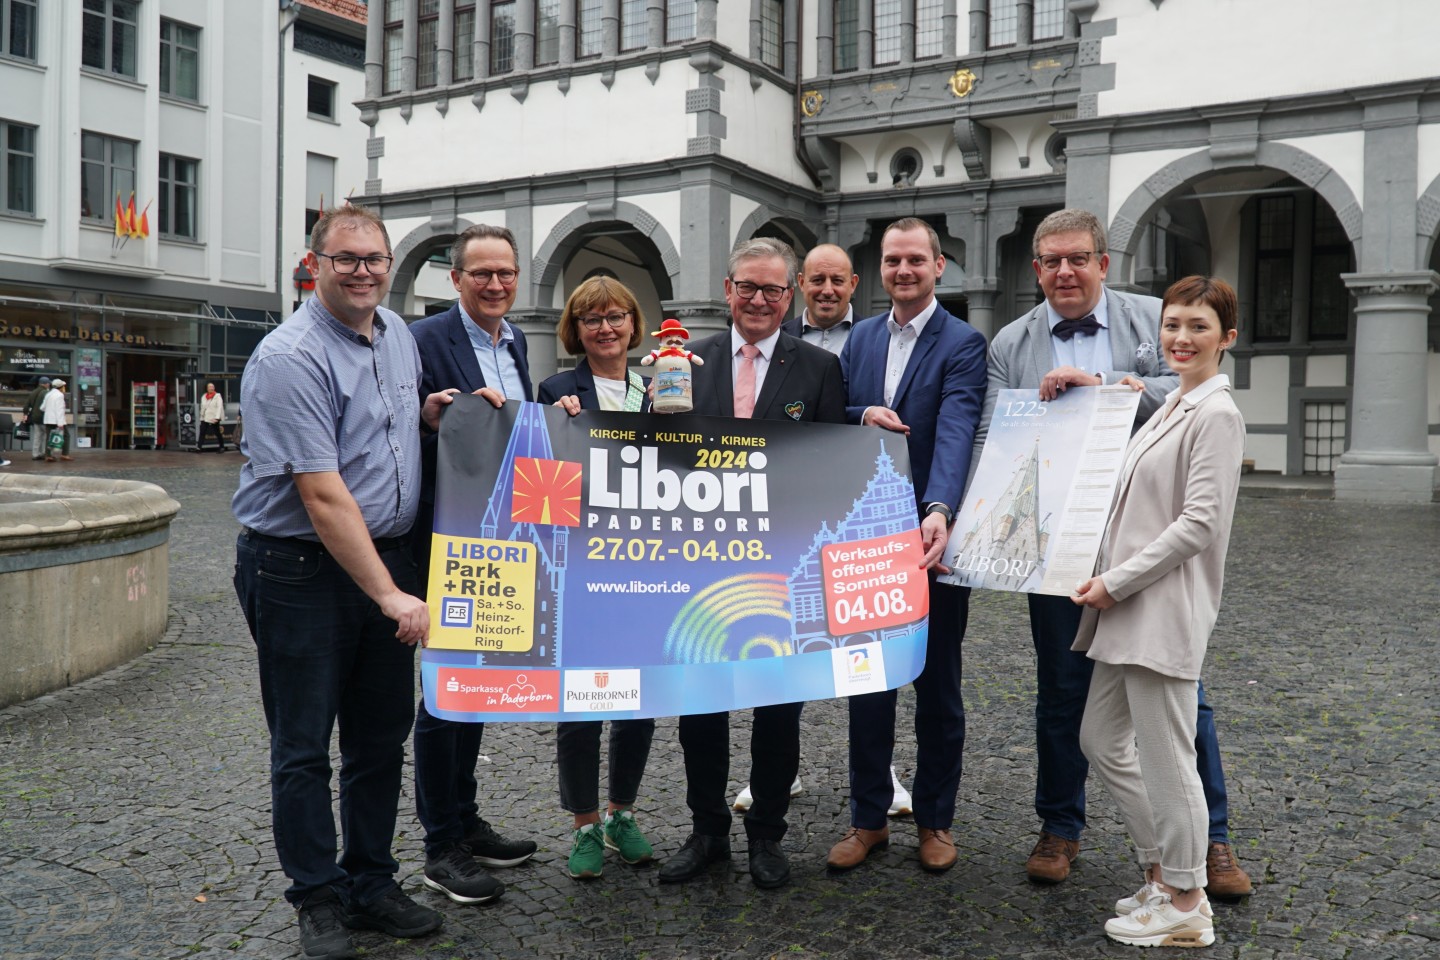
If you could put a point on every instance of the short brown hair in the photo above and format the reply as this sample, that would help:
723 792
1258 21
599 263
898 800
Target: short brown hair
915 223
1070 220
481 231
597 293
350 214
1211 292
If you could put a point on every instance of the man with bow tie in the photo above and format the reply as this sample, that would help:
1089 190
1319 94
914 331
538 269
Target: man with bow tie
1086 335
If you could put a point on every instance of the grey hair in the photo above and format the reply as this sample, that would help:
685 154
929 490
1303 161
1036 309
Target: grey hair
764 248
1071 220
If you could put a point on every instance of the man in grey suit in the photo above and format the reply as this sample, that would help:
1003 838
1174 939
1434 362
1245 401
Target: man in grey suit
1086 335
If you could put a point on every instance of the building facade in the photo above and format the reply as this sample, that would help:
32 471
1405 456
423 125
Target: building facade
644 137
186 106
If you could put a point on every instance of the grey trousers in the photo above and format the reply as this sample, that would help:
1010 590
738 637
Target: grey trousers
1139 735
39 436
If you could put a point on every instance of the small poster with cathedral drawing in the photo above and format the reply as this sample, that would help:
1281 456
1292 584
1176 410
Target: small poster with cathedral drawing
1035 511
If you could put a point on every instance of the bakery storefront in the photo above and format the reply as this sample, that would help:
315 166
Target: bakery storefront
121 358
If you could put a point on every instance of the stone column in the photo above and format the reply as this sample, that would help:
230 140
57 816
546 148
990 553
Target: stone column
610 28
566 33
525 35
655 23
1024 22
538 324
982 307
825 38
1389 454
706 12
409 37
445 46
865 36
979 25
375 55
907 31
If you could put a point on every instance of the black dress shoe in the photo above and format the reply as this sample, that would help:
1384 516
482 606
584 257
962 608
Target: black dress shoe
691 859
768 867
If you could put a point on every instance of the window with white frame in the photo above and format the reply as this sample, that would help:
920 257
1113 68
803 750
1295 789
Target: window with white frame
108 38
320 98
1004 23
772 33
17 167
463 62
427 40
1049 20
107 174
178 196
547 32
887 32
391 70
589 33
502 37
17 28
634 29
929 29
179 60
847 35
679 21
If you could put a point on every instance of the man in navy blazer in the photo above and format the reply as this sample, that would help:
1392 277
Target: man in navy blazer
920 371
788 379
470 347
1083 334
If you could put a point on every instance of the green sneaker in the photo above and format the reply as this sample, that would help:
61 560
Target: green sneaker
587 855
622 836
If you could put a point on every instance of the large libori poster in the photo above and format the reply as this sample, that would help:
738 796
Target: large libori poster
1035 511
637 565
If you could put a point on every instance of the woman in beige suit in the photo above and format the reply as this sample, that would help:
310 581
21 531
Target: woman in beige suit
1149 614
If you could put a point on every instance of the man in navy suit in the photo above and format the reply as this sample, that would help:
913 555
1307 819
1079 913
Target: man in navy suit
919 371
473 348
752 370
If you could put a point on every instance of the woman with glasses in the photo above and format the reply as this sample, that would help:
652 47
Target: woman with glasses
601 324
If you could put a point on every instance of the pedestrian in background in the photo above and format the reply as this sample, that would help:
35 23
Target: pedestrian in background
212 411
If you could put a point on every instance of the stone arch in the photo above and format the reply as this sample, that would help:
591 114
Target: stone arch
565 237
762 215
1164 183
1427 222
413 250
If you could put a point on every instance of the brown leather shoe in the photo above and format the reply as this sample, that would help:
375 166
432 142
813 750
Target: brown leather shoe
1226 880
855 846
1050 860
937 849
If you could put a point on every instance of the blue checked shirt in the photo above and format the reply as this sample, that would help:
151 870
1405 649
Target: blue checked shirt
317 397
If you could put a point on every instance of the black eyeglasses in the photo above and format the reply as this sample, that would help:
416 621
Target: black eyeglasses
772 292
616 320
349 263
1078 260
482 278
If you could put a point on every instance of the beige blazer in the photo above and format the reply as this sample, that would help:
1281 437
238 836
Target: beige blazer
1163 559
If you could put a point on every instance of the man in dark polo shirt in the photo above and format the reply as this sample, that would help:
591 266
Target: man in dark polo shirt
324 575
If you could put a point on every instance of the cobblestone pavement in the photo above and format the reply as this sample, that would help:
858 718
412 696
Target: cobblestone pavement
134 807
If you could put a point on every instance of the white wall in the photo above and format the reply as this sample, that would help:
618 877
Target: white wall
1189 52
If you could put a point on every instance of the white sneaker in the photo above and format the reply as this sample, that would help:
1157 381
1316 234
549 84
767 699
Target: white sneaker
901 805
744 801
1158 923
1128 905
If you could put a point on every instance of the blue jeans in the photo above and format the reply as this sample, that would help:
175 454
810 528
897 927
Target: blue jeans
1062 680
326 653
446 752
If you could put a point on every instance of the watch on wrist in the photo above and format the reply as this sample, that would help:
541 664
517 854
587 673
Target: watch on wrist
938 507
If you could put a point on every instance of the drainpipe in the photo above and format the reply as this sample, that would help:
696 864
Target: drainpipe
289 13
795 114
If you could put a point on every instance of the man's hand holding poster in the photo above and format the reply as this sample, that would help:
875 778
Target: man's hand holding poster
629 565
1035 510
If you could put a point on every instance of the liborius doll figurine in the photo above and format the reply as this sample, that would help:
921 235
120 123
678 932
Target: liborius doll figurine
673 388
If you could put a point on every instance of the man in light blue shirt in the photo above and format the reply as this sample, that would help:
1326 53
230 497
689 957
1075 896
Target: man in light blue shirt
827 282
325 579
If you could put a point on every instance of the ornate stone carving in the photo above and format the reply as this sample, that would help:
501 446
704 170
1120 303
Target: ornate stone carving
1429 215
478 99
1350 218
1120 233
812 102
973 139
1163 181
962 82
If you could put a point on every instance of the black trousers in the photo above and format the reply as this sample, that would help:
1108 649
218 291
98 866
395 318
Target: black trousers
774 761
208 428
